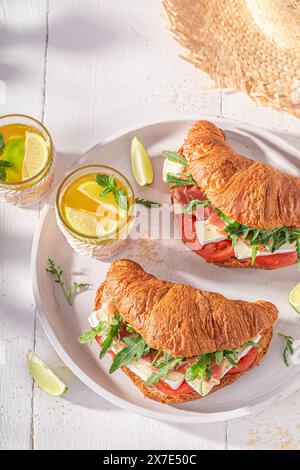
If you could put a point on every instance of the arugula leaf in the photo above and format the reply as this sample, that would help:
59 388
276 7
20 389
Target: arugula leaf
288 349
270 240
174 157
200 368
219 357
196 202
176 181
121 199
112 333
163 369
2 143
5 164
146 203
135 349
254 253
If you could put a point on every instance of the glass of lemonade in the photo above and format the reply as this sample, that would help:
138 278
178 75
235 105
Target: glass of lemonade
26 160
94 210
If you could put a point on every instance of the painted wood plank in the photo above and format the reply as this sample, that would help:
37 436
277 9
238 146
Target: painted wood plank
22 47
107 70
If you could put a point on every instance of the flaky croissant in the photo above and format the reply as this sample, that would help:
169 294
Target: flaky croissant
183 321
247 191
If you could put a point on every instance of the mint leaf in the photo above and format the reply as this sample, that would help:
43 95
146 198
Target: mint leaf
102 179
2 143
122 199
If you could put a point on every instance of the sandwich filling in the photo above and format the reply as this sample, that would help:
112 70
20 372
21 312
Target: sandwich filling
214 236
171 375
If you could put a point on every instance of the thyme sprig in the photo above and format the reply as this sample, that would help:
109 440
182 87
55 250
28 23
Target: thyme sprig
57 272
288 349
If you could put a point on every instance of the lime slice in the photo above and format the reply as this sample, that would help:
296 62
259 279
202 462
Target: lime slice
141 163
36 154
294 298
14 153
92 190
82 221
44 377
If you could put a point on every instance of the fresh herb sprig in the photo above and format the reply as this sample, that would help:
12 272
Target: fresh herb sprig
110 185
57 272
4 164
135 349
147 203
288 349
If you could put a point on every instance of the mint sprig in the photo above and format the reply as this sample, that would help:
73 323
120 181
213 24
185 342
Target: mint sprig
110 185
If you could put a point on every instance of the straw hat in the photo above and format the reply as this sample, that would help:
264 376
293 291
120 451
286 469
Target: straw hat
248 45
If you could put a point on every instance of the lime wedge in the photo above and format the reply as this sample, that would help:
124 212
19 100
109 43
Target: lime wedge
82 221
44 377
141 163
36 154
294 298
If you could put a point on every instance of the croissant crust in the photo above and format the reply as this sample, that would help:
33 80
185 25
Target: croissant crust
180 319
247 191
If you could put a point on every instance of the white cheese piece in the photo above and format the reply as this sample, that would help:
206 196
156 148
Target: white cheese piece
174 379
142 369
171 167
97 316
203 387
208 233
243 251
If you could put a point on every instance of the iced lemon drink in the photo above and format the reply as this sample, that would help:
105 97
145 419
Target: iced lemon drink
93 210
26 160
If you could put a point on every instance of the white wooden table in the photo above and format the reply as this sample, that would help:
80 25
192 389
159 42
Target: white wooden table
88 68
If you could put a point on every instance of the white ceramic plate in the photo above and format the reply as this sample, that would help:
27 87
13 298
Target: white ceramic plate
170 260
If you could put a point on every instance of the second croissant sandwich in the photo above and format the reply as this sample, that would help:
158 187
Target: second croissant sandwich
232 211
175 342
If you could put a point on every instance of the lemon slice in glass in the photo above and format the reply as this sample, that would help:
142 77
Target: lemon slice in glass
82 221
92 190
294 298
36 155
107 226
45 377
141 164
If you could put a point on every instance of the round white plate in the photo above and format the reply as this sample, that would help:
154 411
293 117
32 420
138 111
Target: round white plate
168 259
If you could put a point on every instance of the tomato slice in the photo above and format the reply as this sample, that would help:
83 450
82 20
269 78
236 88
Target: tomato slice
217 251
276 261
245 362
167 390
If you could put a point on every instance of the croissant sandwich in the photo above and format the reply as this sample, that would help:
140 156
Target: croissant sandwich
231 210
175 342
